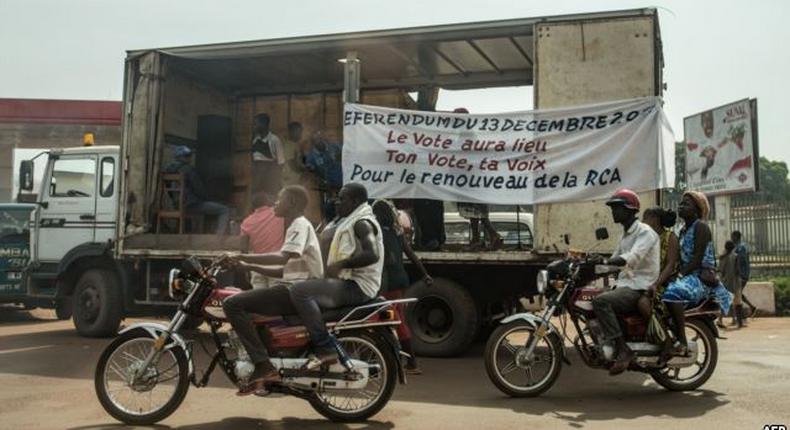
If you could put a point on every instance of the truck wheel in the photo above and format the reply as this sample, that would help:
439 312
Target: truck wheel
63 308
444 321
98 304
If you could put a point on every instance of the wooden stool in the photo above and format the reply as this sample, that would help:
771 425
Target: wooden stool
171 189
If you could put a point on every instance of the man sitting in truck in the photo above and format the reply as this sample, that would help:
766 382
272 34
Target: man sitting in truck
299 259
638 253
353 271
195 201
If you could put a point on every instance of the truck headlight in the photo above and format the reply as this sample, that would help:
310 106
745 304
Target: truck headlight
542 281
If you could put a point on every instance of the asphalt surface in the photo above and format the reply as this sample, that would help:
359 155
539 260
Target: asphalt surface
46 382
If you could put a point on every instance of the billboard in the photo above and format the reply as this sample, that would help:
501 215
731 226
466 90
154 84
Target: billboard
721 149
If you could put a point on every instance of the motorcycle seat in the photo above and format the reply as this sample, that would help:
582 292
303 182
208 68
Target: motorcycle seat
333 315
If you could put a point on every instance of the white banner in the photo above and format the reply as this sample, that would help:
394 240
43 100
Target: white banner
553 155
720 154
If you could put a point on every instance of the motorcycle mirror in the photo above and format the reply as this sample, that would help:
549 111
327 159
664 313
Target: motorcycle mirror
191 266
601 233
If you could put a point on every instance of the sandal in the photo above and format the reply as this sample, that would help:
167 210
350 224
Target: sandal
678 350
259 384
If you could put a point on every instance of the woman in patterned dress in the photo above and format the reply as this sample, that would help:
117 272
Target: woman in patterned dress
696 257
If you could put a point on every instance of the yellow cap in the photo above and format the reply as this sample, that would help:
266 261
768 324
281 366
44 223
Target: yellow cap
87 139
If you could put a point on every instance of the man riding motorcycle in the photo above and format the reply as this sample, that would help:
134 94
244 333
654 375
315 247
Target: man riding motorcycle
353 270
638 254
299 258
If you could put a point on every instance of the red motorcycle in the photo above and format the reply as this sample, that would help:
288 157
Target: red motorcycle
524 355
143 376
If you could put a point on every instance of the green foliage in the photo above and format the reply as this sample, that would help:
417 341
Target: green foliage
782 295
774 182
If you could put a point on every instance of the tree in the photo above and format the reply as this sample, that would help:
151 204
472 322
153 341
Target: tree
774 182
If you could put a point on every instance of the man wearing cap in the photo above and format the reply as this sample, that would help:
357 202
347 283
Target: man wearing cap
195 201
638 254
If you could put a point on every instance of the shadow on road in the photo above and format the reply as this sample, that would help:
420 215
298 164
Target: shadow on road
580 394
12 317
237 423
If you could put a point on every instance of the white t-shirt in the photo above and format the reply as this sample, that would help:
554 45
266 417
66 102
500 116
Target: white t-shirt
300 238
276 151
641 250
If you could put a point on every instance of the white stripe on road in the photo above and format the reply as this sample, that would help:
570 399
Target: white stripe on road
32 348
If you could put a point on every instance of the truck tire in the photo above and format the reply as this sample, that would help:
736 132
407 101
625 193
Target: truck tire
98 304
444 321
63 308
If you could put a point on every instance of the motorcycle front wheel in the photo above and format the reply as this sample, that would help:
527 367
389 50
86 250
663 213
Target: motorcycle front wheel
511 371
153 396
359 405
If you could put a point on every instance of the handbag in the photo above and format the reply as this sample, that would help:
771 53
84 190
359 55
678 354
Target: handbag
709 277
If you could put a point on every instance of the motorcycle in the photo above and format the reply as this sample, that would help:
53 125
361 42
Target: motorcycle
524 355
144 374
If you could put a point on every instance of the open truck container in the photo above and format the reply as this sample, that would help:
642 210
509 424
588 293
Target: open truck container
206 97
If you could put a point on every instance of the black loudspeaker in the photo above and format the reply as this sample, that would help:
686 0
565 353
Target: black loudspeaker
214 158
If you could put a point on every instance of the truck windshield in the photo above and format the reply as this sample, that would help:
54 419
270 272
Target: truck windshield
14 226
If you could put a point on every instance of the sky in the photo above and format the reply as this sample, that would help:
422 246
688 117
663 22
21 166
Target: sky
715 52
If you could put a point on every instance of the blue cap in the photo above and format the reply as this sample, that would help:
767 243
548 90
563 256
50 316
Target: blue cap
182 151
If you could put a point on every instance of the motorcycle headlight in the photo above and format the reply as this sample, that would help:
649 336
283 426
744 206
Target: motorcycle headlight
175 285
542 281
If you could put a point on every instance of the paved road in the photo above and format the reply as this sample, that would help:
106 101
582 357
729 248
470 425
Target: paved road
46 373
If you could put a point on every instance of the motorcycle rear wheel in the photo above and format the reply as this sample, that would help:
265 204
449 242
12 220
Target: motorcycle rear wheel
373 350
501 359
118 397
669 378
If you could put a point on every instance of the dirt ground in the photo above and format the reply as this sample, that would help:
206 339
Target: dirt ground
46 382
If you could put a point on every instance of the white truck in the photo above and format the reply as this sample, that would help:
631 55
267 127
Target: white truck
94 242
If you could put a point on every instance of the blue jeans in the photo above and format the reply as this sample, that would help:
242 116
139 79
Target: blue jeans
309 297
213 209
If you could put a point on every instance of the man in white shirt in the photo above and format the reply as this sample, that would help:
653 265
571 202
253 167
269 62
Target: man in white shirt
638 254
268 156
299 259
353 271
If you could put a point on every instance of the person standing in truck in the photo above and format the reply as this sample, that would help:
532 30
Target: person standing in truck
294 167
195 200
268 157
324 159
477 214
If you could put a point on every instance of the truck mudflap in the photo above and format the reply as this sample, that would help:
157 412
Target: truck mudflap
535 321
155 330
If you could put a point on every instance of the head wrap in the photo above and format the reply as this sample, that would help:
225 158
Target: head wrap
700 201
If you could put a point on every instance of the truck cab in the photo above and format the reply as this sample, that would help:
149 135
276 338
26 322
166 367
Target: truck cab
72 220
